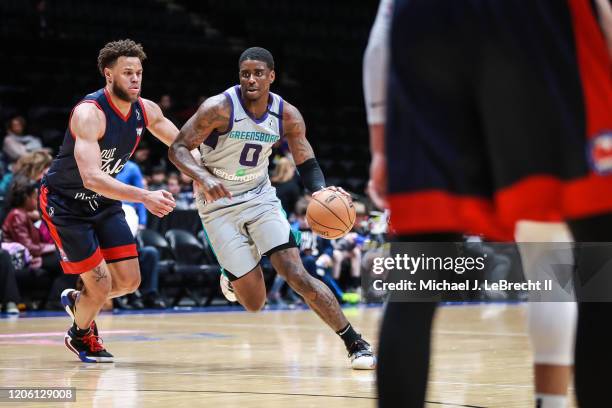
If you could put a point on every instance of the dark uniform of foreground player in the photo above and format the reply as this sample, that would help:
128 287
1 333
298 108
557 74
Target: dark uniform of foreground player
80 200
497 111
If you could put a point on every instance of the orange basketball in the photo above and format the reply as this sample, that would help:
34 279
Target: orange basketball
330 214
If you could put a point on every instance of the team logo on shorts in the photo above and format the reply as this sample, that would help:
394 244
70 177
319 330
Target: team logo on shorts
600 153
51 211
63 255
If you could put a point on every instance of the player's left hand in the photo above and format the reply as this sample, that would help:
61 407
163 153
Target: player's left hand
335 189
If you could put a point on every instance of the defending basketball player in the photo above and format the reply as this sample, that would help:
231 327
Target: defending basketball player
239 209
80 198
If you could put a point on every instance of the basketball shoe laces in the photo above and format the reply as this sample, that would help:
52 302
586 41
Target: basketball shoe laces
359 347
93 342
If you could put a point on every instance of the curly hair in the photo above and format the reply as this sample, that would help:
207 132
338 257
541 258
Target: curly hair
122 48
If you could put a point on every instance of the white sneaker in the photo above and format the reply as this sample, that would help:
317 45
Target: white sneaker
361 355
226 288
11 308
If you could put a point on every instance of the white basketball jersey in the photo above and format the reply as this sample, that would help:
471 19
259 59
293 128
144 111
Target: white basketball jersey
239 157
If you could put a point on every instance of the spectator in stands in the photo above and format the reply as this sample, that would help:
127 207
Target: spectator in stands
350 246
286 183
131 175
31 165
142 157
41 23
18 227
148 257
317 254
147 294
187 193
158 179
183 201
167 106
185 114
9 291
16 143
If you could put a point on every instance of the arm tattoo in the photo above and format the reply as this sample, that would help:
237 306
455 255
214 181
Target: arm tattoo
99 273
296 136
316 294
301 150
213 114
205 122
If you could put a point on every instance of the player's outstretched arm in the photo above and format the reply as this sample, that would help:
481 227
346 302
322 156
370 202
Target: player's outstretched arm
87 126
212 115
161 127
301 150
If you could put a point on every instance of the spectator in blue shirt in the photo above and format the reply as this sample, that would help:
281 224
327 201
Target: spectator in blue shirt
131 175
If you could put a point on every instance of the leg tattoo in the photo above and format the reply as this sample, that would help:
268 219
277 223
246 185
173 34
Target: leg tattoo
316 294
99 273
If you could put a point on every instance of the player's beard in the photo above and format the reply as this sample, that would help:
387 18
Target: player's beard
123 95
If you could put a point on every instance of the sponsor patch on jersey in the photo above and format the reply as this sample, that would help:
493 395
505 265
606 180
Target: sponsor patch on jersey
600 153
236 177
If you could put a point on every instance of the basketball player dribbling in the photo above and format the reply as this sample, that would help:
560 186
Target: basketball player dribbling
80 200
498 112
241 214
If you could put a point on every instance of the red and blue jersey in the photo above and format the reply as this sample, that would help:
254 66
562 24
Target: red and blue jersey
117 145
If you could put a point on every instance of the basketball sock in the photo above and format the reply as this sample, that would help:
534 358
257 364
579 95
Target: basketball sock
403 357
593 357
550 401
79 332
348 335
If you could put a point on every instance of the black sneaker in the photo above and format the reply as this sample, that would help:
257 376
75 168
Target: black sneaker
88 348
361 355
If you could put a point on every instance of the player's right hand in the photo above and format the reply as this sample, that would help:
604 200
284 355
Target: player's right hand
160 203
212 188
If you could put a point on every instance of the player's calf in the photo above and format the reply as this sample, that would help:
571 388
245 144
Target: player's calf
250 289
126 277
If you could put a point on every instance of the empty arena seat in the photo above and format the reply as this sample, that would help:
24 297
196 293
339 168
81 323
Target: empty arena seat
147 237
191 264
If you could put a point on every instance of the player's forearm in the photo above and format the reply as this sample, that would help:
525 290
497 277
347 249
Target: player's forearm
377 139
108 187
165 131
311 175
183 159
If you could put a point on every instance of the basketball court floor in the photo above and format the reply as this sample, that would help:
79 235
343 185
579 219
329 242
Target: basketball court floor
278 358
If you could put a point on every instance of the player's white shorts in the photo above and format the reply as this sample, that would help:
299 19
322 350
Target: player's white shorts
245 227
